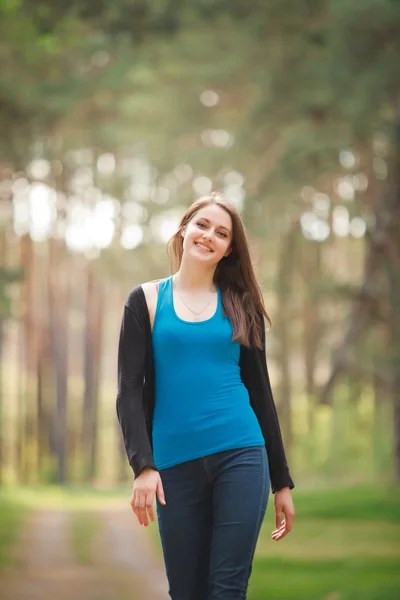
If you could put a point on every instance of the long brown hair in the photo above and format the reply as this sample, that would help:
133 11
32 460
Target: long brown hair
242 298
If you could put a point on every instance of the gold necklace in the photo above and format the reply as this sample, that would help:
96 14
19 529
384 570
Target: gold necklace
188 307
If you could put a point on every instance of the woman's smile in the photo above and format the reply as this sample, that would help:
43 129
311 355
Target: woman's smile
204 247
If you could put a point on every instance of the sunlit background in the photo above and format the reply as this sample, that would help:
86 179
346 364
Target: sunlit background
113 119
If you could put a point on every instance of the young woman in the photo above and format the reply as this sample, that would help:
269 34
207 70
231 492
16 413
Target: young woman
196 409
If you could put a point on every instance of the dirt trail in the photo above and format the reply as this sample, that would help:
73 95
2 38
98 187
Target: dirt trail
124 565
130 550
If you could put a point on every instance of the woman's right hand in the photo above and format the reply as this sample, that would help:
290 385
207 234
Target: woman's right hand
145 486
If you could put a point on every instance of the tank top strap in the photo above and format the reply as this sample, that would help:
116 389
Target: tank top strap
165 301
165 286
164 294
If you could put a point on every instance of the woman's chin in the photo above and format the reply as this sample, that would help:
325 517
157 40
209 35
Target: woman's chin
199 253
202 257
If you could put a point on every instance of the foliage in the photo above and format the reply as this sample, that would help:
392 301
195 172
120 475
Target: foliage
297 83
7 277
12 516
344 544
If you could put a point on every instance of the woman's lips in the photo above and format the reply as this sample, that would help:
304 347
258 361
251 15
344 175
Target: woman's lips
204 246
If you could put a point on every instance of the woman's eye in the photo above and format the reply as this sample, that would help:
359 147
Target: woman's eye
201 224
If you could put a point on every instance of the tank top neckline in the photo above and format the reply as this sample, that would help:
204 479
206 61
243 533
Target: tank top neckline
170 291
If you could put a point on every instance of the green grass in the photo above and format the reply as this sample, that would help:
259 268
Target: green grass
69 497
363 502
350 579
84 527
12 516
345 545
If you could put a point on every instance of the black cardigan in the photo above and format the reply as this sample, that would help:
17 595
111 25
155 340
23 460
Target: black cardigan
135 399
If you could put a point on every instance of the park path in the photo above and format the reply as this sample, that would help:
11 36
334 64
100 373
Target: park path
124 565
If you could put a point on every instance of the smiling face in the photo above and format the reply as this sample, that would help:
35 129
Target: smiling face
208 235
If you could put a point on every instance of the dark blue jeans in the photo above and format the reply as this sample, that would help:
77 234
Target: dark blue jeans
211 521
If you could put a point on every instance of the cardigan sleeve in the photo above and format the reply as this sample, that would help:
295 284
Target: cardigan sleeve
132 351
254 373
280 476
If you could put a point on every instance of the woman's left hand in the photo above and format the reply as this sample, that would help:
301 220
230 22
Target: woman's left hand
283 505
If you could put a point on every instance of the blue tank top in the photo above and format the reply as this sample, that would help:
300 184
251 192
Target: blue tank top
201 403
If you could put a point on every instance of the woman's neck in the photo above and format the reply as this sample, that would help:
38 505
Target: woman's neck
190 278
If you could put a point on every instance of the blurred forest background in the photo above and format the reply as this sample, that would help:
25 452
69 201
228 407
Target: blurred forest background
113 120
114 117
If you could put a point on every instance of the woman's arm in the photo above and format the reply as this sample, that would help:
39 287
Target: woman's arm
283 478
283 482
255 376
132 352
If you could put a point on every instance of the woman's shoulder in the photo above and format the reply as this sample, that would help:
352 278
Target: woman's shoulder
135 298
142 296
150 287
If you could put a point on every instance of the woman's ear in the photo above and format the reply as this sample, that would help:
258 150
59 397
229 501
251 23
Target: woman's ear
228 252
183 231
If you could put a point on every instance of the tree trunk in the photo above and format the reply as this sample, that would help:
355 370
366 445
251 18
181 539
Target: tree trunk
284 289
383 256
30 351
381 388
21 441
92 344
6 218
393 271
311 271
3 248
58 289
44 383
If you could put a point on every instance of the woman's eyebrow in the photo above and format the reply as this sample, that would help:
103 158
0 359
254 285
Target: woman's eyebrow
218 226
